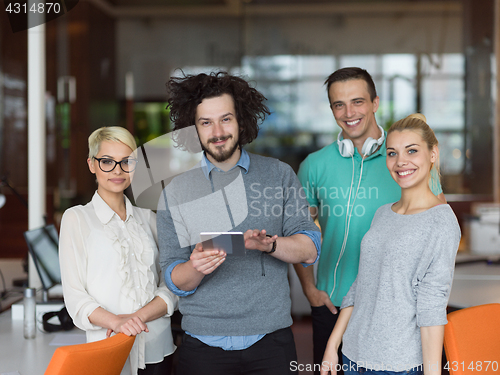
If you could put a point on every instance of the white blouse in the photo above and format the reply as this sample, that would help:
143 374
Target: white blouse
110 263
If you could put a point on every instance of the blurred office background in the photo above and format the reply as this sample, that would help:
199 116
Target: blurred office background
107 62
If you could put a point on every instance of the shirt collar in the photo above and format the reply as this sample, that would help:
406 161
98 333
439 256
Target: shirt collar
105 213
243 162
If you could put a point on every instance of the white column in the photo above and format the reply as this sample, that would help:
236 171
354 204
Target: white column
36 135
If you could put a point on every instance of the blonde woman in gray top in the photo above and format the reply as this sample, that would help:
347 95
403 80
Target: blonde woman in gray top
392 319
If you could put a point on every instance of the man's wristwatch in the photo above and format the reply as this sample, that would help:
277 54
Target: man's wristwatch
273 248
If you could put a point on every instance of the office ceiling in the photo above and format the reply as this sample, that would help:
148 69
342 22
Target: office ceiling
231 8
190 3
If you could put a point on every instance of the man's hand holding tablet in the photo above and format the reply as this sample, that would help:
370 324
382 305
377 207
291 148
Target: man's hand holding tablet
233 243
236 243
206 261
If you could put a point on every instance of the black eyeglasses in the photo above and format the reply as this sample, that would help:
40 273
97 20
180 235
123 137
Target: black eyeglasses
107 164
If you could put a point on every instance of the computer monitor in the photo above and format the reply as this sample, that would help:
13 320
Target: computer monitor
43 246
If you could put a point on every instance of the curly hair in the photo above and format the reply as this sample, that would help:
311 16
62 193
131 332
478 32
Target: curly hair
187 92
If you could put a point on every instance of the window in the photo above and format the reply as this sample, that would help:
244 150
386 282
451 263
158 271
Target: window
294 86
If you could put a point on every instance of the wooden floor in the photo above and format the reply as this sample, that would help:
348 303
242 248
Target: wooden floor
302 332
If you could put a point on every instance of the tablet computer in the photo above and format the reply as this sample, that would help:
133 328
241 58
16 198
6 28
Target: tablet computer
232 243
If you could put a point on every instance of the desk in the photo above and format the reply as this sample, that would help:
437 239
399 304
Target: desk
28 357
476 283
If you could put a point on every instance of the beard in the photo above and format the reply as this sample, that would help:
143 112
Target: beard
217 152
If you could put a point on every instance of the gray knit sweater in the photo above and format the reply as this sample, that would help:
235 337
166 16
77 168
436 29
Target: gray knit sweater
404 281
245 295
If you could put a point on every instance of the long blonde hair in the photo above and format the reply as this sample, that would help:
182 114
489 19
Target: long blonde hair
418 123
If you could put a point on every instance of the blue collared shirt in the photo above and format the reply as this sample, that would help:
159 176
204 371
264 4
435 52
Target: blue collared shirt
229 342
243 162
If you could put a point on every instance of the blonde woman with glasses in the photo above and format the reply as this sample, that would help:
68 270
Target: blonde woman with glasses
109 260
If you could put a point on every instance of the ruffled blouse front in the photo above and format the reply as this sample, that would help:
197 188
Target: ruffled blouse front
110 263
137 279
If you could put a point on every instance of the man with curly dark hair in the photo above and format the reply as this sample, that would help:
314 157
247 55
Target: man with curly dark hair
186 93
236 309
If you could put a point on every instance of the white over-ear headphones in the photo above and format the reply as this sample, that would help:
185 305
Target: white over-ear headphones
346 147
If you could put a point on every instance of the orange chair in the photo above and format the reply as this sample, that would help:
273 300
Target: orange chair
105 357
472 340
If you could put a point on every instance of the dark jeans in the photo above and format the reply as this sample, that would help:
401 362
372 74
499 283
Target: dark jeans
162 368
351 368
271 355
323 322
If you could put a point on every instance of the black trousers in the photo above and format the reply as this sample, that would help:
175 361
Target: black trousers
162 368
271 355
323 322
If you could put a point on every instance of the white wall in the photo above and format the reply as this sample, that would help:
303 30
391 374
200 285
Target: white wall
11 269
355 34
151 50
152 47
